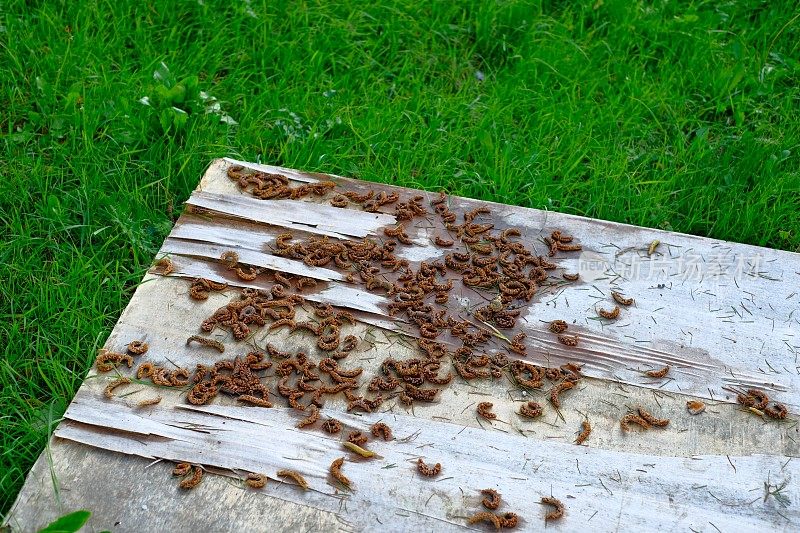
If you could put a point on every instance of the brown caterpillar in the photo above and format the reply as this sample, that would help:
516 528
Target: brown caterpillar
444 243
205 341
166 266
336 472
484 410
349 343
250 275
181 469
620 299
161 377
255 400
294 476
650 419
109 391
492 500
256 481
531 410
106 360
150 401
568 247
558 512
558 389
379 429
560 237
230 258
658 373
399 233
586 429
509 520
631 418
179 377
568 340
202 393
145 370
332 426
428 471
610 315
754 398
485 516
570 277
138 347
558 326
192 482
339 200
778 411
275 353
311 418
198 291
283 322
357 438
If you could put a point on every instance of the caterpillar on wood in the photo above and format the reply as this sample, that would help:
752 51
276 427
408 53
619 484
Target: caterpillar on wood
106 360
485 516
145 370
530 410
192 482
632 418
650 419
558 389
109 390
492 500
754 398
777 411
150 401
620 299
294 476
310 419
509 520
568 340
336 472
332 426
484 410
230 258
556 513
138 347
165 265
379 429
254 400
256 481
610 315
658 373
428 471
339 200
586 429
357 438
181 469
205 341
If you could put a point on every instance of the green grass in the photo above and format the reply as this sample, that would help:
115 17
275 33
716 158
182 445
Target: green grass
684 116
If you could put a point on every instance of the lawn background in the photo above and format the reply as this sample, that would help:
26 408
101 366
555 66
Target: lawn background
676 115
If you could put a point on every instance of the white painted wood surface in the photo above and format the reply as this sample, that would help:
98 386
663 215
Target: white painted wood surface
721 314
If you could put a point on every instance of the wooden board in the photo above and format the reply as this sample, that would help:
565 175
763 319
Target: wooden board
722 315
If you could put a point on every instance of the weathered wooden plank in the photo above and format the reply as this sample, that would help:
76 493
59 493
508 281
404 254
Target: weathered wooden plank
719 313
652 490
